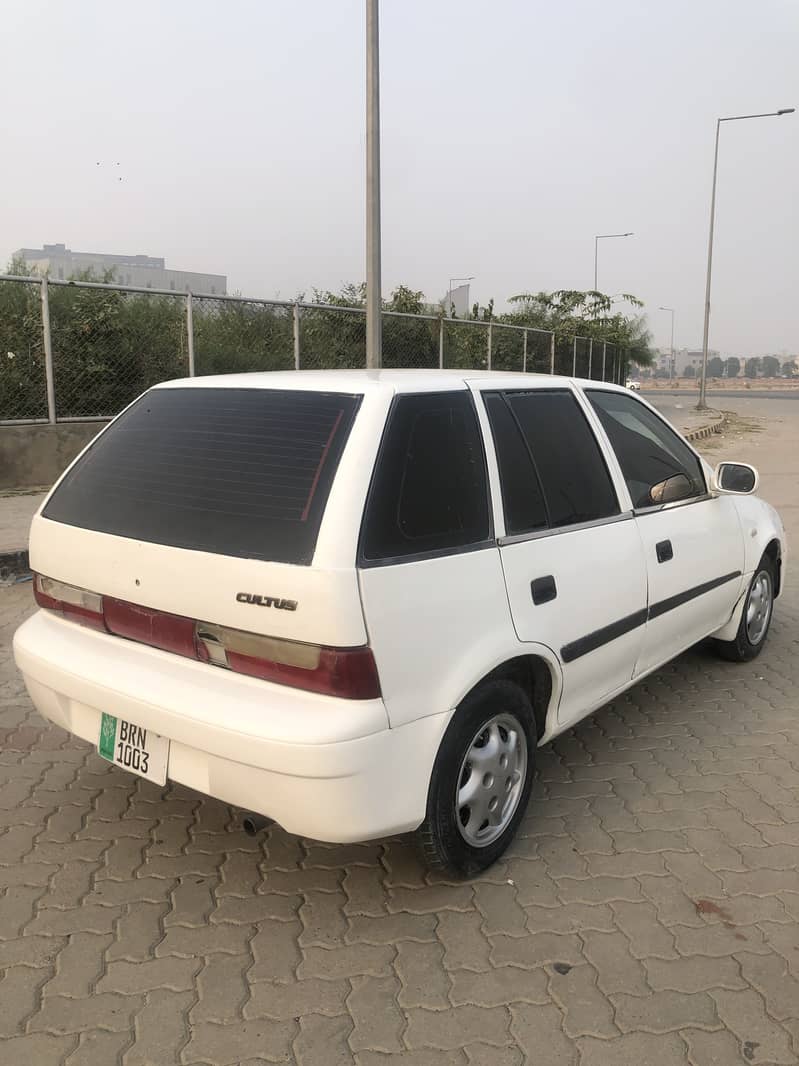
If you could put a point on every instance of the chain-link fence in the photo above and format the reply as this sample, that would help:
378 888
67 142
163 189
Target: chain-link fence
83 350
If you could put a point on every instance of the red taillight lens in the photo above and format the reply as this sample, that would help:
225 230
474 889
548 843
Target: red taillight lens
170 632
79 605
350 673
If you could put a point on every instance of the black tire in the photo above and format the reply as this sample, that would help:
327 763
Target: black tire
743 648
441 836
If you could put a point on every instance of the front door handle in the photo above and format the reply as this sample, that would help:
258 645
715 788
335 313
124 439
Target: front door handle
664 551
543 589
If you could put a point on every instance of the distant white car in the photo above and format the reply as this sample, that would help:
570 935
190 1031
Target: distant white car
634 385
356 603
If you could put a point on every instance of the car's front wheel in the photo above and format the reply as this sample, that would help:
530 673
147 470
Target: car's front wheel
481 780
755 619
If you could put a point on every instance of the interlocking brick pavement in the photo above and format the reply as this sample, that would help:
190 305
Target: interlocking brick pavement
647 914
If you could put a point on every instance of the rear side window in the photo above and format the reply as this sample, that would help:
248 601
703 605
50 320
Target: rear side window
242 472
429 492
562 480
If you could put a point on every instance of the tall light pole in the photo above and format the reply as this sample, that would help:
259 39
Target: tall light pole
449 291
671 360
731 118
603 237
374 308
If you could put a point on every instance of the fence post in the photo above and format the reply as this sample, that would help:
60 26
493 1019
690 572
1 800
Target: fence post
441 343
48 353
574 358
524 354
190 331
590 355
604 354
296 334
490 324
552 354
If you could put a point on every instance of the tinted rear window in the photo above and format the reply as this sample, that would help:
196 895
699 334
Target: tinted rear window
243 472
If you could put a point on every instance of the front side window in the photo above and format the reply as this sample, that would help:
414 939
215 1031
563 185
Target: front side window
551 467
429 492
649 452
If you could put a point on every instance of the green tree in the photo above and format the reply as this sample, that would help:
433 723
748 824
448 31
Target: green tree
715 367
771 366
790 368
733 367
690 372
752 369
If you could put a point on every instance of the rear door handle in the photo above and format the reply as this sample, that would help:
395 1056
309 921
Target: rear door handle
543 589
664 551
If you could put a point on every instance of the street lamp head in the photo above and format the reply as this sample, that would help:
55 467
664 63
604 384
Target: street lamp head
786 111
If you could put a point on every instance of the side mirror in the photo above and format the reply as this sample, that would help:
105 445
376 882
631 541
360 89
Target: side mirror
678 487
735 479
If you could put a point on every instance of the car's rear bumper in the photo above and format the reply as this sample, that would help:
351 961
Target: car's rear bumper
322 767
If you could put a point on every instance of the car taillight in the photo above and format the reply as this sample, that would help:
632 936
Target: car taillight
350 673
79 605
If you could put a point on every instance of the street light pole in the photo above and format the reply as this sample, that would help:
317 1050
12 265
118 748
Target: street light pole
449 292
374 308
702 406
671 360
603 237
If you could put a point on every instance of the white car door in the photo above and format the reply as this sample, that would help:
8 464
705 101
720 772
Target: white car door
693 546
572 555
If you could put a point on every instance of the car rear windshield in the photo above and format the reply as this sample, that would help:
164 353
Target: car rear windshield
243 472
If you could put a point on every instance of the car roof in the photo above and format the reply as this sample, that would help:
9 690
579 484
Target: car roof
362 381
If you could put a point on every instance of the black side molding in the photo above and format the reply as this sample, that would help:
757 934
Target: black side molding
600 637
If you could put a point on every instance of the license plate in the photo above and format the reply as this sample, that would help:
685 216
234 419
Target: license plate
133 748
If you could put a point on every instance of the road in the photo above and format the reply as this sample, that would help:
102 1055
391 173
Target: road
648 912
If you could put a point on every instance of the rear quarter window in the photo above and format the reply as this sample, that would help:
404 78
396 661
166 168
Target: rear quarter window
241 472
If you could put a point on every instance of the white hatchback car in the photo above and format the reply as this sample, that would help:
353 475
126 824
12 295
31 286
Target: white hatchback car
356 602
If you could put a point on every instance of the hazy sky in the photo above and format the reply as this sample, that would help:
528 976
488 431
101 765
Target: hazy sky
513 131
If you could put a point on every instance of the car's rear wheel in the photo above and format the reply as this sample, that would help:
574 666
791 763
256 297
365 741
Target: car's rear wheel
755 618
481 780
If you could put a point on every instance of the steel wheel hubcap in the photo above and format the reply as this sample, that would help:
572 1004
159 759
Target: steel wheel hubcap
758 608
491 780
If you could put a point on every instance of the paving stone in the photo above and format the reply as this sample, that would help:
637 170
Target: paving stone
534 1028
138 931
465 945
501 985
457 1027
586 1010
80 965
323 1041
391 928
717 940
132 978
425 983
712 1049
537 949
424 1057
377 1021
36 1049
281 1001
229 1044
617 969
65 1014
276 953
743 1014
647 935
672 904
19 996
501 913
633 1049
38 951
431 899
664 1012
482 1055
629 864
570 918
561 858
99 1048
695 974
770 975
696 878
599 889
191 941
222 988
363 898
323 919
350 960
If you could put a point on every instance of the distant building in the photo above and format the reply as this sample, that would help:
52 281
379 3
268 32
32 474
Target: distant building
143 271
683 358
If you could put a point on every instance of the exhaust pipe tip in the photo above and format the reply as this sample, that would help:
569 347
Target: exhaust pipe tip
253 823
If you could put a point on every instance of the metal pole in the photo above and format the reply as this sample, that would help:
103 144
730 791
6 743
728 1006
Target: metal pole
490 324
296 335
374 334
702 384
552 354
590 355
596 263
574 358
190 332
672 347
604 356
524 354
48 354
441 343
